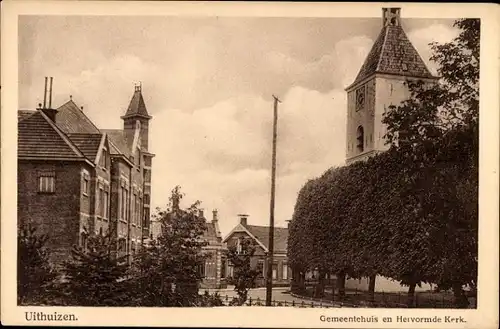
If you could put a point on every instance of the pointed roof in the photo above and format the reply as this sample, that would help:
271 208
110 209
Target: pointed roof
393 53
137 107
72 120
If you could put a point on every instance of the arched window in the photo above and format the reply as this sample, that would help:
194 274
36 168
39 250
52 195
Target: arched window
360 137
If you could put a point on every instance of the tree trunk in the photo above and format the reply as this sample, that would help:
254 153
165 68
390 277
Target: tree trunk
341 284
460 299
371 288
302 282
320 288
411 295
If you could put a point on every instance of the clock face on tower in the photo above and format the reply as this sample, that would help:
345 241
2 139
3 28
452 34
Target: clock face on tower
360 98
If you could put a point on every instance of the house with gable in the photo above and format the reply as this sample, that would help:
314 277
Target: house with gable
213 268
281 272
75 179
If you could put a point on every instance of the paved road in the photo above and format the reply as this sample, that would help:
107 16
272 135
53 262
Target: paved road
279 294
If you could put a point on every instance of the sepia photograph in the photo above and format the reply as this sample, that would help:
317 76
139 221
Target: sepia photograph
277 162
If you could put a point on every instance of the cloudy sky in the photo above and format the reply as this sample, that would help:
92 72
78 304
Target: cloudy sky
208 83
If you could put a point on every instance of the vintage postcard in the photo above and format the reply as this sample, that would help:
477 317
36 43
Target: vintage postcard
249 164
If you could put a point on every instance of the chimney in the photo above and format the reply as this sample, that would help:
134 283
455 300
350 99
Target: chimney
200 213
243 219
214 216
48 111
288 223
391 16
175 202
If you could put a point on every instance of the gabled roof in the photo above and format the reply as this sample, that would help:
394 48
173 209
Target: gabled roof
118 139
261 235
39 137
87 143
137 105
210 234
393 53
71 119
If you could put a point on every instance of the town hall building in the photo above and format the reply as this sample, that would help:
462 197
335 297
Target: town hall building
76 180
380 83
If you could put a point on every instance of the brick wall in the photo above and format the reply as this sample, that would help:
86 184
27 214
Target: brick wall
56 214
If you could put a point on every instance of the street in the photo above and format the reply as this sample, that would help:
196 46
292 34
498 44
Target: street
280 294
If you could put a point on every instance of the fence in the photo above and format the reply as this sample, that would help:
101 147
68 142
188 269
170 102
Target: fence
228 301
359 298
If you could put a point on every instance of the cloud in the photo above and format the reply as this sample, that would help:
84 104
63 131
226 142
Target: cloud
222 154
208 83
421 38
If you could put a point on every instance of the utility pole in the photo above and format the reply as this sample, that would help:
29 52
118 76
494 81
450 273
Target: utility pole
269 281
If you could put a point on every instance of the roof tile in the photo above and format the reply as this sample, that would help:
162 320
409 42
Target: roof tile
38 138
393 53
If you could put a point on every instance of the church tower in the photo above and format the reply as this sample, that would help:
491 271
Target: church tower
379 84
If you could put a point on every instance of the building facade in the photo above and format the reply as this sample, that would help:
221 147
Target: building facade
281 272
75 180
213 269
380 83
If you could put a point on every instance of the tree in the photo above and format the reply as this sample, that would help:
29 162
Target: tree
244 275
34 272
435 133
409 213
166 272
95 276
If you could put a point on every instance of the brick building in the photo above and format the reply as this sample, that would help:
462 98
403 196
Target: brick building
213 270
75 179
281 272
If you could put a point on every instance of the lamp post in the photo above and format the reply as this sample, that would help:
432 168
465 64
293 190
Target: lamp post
269 281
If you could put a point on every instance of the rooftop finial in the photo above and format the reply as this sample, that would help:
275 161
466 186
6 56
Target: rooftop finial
70 97
138 87
390 16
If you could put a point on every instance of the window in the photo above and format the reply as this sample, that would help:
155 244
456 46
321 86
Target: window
285 271
360 137
132 247
124 204
132 207
100 201
360 98
137 211
46 182
106 205
275 271
103 161
223 269
238 246
85 185
139 219
260 268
